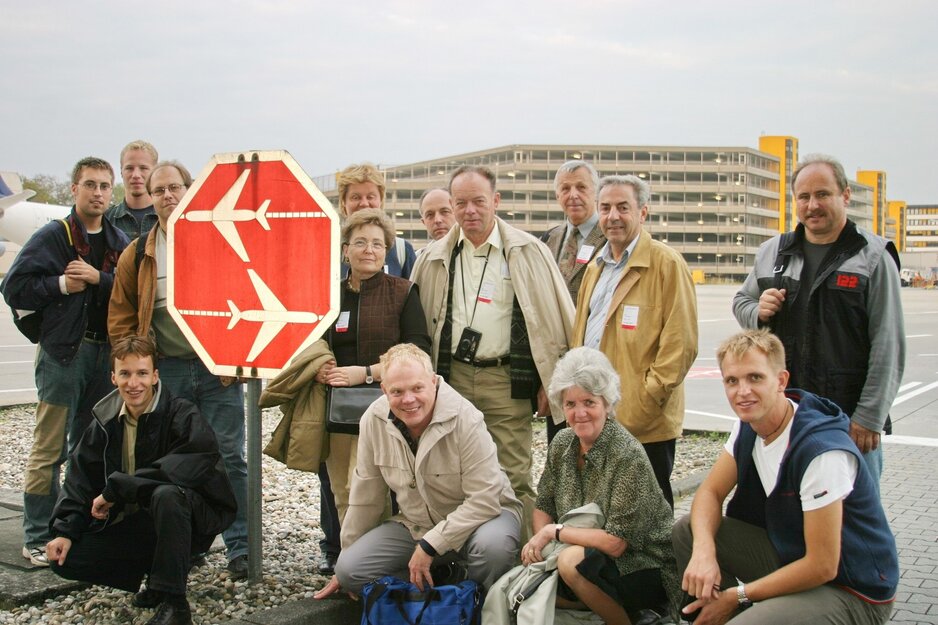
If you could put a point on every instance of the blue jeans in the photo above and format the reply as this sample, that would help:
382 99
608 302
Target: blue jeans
223 408
67 393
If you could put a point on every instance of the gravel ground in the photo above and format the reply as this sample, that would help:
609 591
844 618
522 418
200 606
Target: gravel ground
291 534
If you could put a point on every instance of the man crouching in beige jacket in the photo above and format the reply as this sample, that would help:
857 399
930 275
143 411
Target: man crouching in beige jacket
429 445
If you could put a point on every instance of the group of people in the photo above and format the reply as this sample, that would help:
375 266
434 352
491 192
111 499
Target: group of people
594 328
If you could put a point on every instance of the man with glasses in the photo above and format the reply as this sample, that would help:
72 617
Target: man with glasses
138 307
64 274
638 306
135 215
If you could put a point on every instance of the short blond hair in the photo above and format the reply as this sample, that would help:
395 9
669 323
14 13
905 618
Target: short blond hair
140 144
357 174
406 352
741 343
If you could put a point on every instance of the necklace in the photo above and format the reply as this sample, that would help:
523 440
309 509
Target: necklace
353 289
780 425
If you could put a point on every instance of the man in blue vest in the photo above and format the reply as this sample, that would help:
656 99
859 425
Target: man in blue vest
805 538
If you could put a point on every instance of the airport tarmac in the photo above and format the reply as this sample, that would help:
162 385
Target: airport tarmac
914 411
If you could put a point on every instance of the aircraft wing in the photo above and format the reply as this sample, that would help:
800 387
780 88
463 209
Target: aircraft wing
269 301
229 231
268 332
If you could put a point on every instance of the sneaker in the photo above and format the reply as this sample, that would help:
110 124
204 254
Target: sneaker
36 555
238 568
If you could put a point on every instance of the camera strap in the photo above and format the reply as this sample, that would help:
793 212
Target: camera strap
462 277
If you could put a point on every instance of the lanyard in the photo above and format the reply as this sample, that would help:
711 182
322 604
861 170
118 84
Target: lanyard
462 277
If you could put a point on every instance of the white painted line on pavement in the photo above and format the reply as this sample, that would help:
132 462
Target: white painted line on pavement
915 393
906 387
895 439
20 390
711 414
915 336
16 362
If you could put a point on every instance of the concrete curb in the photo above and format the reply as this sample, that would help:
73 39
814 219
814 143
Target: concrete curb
336 610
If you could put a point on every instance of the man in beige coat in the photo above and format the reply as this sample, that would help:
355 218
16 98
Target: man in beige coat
429 445
500 318
638 306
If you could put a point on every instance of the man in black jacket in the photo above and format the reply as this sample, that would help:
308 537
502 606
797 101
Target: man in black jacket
61 281
145 488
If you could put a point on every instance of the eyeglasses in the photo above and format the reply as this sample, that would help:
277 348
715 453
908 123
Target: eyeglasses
361 244
172 188
91 185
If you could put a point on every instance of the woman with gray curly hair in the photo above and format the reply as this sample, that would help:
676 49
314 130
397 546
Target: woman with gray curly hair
624 572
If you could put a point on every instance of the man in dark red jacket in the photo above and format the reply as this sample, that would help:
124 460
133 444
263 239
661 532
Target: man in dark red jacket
145 489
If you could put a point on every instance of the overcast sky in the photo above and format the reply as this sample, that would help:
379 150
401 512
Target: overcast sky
398 82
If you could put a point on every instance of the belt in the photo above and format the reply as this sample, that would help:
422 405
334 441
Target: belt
492 362
99 337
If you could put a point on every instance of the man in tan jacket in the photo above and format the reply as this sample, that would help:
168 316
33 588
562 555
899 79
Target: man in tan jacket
638 306
429 445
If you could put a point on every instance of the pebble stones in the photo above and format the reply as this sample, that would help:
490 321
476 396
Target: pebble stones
290 540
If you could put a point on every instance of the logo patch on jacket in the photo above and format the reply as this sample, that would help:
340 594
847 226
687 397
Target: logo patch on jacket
846 281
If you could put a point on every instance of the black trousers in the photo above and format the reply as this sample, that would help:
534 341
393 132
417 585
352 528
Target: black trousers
661 455
156 542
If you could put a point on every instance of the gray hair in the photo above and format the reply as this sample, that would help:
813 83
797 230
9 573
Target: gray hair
482 170
812 159
571 166
588 369
641 188
424 195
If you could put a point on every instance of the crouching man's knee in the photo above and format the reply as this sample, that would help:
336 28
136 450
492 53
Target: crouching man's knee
493 549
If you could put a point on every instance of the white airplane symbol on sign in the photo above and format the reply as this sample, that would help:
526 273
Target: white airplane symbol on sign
273 318
224 215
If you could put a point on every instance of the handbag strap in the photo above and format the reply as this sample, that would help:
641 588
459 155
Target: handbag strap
528 590
398 597
371 598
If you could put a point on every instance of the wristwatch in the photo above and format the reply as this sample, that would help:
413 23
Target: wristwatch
741 597
557 532
368 377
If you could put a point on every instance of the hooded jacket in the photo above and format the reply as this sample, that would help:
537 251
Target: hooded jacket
868 561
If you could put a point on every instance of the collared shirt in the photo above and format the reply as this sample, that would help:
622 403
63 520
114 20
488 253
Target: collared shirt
128 453
169 338
602 294
483 296
585 228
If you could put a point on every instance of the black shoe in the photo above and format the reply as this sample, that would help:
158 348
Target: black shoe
238 568
172 614
326 564
196 560
147 598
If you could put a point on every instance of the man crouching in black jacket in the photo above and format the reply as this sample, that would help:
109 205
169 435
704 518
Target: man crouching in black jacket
145 489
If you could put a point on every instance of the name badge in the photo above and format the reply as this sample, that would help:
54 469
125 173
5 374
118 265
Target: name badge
583 256
342 324
487 292
630 317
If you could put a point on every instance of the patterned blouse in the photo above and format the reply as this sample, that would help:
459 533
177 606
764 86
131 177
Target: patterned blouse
617 476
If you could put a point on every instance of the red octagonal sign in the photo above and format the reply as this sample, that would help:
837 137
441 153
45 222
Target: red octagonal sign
253 263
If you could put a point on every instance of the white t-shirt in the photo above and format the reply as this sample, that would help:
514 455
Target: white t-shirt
828 478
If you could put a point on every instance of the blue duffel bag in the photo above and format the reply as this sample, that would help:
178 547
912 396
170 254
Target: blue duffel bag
391 601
